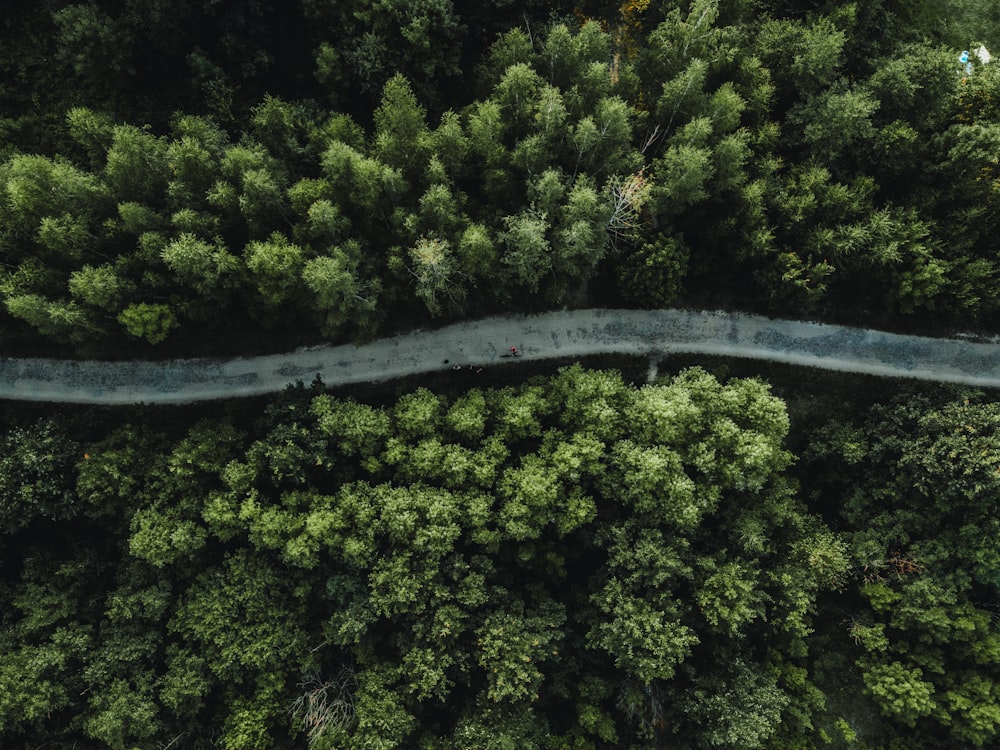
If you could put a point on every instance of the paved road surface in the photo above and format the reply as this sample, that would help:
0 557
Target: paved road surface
483 342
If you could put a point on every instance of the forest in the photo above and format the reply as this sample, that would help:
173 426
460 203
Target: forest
194 169
728 556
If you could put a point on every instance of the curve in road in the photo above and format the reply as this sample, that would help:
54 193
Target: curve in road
487 341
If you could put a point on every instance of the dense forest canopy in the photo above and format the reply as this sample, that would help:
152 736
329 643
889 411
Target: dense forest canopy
572 562
175 170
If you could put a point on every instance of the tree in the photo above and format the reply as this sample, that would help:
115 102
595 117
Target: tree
252 187
137 219
900 692
816 47
476 251
111 479
579 239
285 129
193 157
339 296
653 275
243 615
98 286
63 321
94 47
744 712
450 144
517 95
65 237
528 255
93 132
434 271
683 174
401 133
123 715
424 38
35 475
514 644
835 122
276 266
36 188
324 221
33 680
356 430
644 639
916 478
602 141
199 264
136 166
366 185
152 322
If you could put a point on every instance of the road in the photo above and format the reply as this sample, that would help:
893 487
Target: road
577 333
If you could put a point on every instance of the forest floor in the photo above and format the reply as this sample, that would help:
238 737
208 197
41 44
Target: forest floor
487 343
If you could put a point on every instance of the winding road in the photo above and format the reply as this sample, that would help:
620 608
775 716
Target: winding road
486 342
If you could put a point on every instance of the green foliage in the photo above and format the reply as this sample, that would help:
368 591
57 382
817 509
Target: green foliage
136 167
511 643
199 264
900 692
498 556
434 272
628 564
744 713
572 563
338 295
400 130
276 266
528 254
653 275
375 41
814 160
93 131
914 480
152 322
98 286
35 188
122 715
36 479
838 122
242 616
63 321
252 188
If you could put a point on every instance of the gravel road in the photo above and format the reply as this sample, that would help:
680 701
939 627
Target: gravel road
486 342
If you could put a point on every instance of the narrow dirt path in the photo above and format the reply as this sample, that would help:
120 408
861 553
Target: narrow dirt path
486 342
